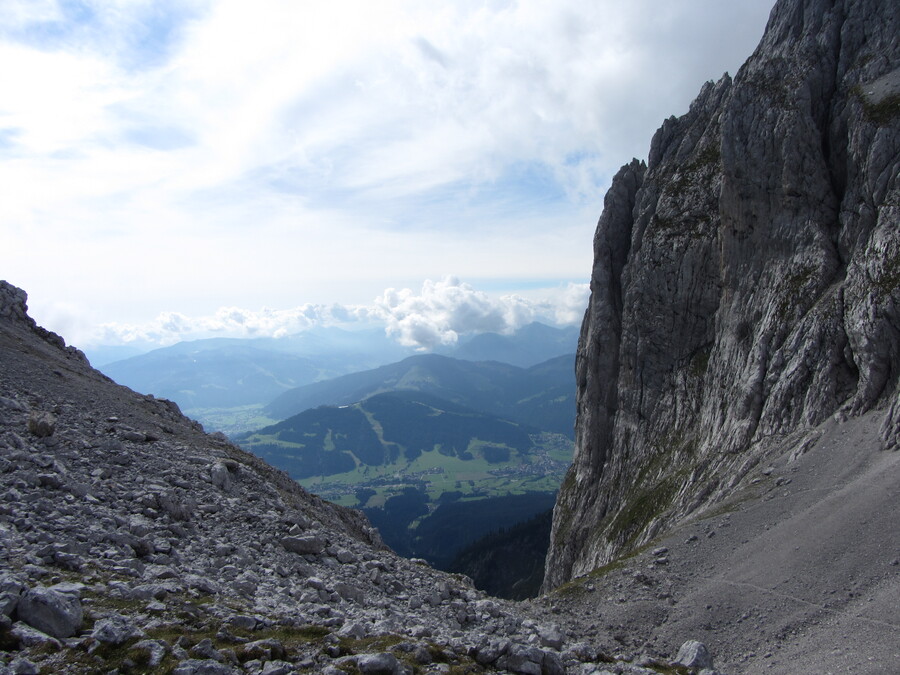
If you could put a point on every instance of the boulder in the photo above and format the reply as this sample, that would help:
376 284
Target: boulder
694 654
206 650
350 592
220 476
525 660
156 651
41 424
115 630
56 614
378 664
27 636
552 664
550 636
352 629
22 666
312 544
10 590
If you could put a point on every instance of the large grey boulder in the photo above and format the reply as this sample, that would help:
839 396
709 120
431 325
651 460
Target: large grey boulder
220 476
42 424
155 649
56 614
115 630
10 591
378 664
525 660
27 636
694 654
312 544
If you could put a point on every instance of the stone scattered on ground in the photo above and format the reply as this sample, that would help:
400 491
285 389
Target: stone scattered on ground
130 539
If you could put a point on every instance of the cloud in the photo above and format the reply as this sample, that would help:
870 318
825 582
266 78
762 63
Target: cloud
437 315
171 327
445 309
196 154
377 100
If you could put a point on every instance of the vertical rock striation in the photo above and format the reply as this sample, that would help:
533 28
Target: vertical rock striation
746 281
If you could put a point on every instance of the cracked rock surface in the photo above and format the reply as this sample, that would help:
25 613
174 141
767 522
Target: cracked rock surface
746 281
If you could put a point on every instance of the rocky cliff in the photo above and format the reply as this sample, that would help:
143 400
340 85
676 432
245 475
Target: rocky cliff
745 284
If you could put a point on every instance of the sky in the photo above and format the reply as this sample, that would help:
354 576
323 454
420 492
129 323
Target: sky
175 169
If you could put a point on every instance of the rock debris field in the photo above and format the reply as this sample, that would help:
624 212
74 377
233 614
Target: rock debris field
131 541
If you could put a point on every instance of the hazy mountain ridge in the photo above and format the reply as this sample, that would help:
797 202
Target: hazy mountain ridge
393 428
226 382
232 372
745 280
540 396
528 346
222 377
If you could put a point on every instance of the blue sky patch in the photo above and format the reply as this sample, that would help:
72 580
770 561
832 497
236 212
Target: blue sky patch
159 137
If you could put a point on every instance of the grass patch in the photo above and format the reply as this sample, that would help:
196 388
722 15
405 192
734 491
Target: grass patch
793 290
669 668
654 489
639 512
231 421
377 643
436 474
576 587
127 660
882 113
103 659
887 280
700 361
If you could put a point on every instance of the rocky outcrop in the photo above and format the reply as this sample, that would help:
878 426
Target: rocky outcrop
746 281
14 309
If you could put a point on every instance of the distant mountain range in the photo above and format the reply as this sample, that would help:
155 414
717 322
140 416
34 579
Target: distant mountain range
386 430
540 396
208 377
232 372
528 346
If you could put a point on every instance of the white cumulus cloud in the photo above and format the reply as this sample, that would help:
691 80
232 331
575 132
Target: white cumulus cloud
438 314
443 310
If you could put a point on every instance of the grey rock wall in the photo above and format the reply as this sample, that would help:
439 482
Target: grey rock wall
745 283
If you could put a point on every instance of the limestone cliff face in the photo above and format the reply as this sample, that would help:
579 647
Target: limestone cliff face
746 281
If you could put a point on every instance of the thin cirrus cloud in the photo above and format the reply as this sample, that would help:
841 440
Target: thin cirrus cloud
179 156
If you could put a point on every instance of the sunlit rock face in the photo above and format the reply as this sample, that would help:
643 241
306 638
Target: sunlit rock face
745 282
